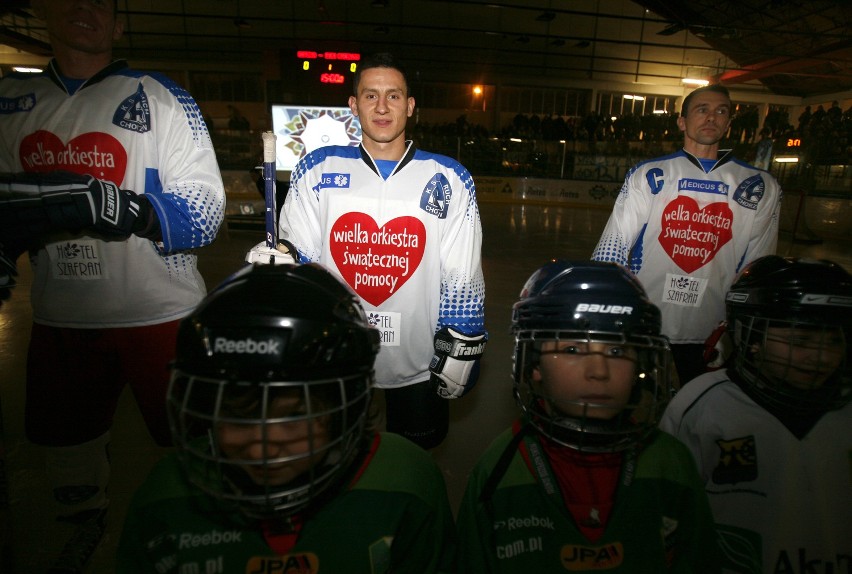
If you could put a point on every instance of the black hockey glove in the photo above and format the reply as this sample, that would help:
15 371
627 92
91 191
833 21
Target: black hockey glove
455 364
32 204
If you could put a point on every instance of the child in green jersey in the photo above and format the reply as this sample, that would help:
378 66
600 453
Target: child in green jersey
276 468
584 480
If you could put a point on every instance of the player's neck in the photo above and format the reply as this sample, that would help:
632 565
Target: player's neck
701 151
81 65
393 150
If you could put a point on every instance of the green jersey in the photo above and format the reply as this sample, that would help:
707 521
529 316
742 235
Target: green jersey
394 517
660 520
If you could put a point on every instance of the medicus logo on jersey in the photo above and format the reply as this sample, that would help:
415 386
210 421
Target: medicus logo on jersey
436 196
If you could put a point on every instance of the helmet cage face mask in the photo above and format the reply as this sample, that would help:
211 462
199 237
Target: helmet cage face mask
793 364
790 321
303 437
580 430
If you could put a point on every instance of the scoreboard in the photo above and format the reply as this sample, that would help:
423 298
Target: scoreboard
328 67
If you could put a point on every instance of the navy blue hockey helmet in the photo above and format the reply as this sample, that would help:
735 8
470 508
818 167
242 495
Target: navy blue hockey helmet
590 302
283 354
790 322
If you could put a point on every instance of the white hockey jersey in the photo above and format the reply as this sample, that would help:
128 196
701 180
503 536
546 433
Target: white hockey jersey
781 504
408 245
146 134
686 234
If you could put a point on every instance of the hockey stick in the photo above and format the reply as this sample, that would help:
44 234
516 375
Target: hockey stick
269 187
270 252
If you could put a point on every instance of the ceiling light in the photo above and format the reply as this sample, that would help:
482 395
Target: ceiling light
787 159
695 82
26 70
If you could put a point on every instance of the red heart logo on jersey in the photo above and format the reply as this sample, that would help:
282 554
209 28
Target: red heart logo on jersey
691 235
376 261
95 153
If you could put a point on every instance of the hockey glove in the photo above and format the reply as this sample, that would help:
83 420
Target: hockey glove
282 254
33 203
455 364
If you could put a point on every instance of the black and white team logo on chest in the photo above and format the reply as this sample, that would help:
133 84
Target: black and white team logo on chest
133 113
435 198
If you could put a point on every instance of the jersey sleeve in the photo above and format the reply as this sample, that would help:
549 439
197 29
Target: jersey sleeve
474 545
473 522
626 223
135 553
697 547
186 190
764 239
462 298
299 219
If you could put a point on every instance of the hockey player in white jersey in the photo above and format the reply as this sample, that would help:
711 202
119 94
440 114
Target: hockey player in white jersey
401 227
109 178
688 222
772 432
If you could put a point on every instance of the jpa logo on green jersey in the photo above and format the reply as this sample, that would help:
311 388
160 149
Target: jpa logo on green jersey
301 563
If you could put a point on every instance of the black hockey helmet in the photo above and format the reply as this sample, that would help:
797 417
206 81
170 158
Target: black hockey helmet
808 304
272 335
591 302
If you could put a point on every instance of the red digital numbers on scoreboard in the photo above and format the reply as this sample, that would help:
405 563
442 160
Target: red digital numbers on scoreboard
331 78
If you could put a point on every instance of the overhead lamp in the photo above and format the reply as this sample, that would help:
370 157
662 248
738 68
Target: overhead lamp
695 82
632 97
26 70
786 159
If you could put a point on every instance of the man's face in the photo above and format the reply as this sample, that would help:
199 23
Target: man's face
87 26
586 380
383 107
803 358
707 119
